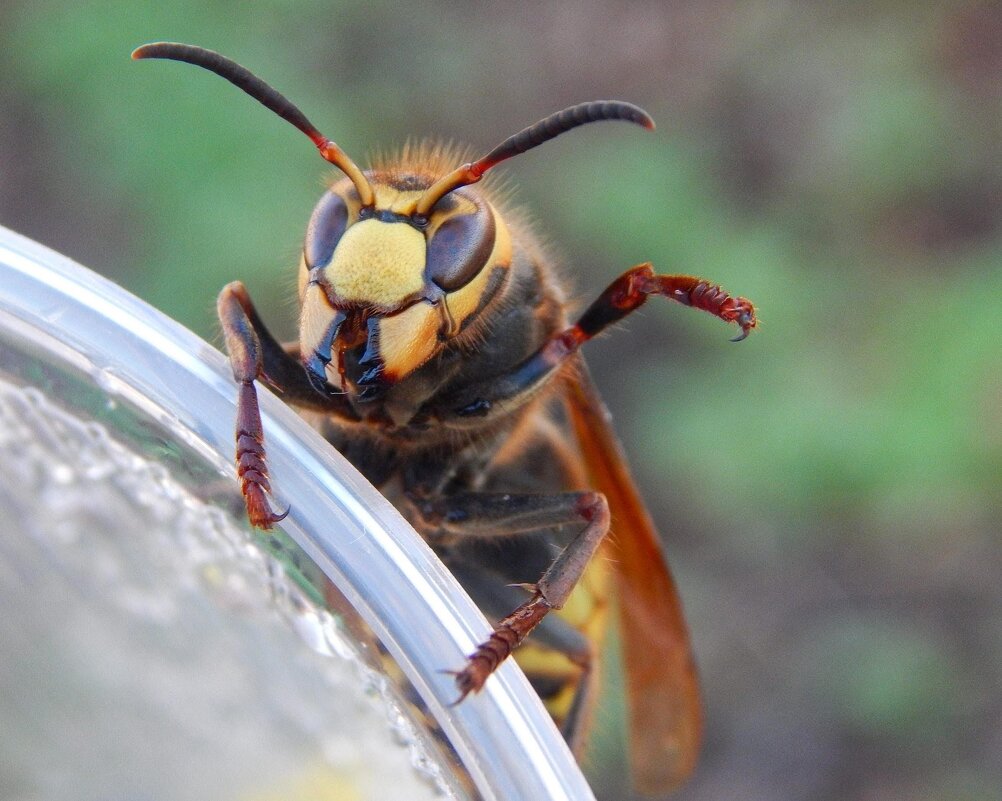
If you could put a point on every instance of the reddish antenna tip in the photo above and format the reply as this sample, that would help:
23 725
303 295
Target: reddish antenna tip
139 52
644 120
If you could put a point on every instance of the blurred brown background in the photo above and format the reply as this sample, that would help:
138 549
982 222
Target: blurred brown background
830 490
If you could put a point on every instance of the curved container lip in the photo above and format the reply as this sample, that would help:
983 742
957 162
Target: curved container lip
503 735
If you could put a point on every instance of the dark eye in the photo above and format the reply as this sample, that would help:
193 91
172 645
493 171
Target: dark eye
330 218
460 248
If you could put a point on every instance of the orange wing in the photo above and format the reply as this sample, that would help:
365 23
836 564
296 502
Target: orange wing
665 713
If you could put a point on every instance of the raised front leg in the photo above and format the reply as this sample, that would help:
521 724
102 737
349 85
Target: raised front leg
502 515
255 354
624 295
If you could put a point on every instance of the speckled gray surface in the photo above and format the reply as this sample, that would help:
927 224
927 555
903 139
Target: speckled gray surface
149 650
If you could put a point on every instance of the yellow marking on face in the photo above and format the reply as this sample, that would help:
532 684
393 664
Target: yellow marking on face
407 340
379 263
315 319
396 200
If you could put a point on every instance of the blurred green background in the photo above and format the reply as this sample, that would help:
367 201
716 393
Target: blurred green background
830 489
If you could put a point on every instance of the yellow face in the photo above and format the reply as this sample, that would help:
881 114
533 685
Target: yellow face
378 264
415 286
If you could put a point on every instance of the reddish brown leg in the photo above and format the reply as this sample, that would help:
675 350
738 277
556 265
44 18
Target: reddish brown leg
251 465
244 348
488 515
624 295
631 290
256 355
